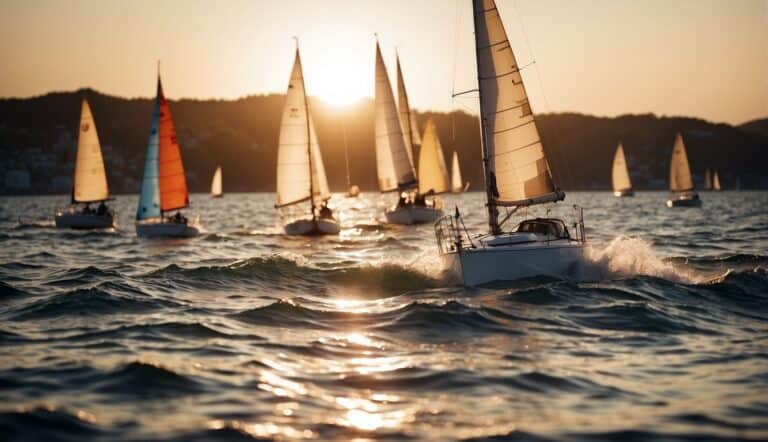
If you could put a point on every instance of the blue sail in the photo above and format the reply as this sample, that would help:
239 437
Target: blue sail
149 203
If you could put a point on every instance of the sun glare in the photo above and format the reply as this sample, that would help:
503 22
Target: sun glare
338 78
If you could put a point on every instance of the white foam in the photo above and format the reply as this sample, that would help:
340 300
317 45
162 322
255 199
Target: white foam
626 256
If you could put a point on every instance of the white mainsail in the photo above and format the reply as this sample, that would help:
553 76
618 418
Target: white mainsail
620 172
716 182
433 173
90 183
216 182
407 120
297 141
679 171
517 172
393 163
457 185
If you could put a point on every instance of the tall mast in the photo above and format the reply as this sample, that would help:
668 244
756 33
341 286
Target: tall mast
309 135
493 213
346 151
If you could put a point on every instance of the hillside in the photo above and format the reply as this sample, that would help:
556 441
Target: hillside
36 135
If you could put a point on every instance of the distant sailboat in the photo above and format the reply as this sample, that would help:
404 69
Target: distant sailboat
300 171
394 162
90 181
457 184
680 180
216 190
433 177
517 176
708 180
353 191
716 182
164 187
622 185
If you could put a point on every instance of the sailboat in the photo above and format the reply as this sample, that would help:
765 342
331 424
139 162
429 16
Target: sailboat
622 185
164 187
517 176
716 182
680 179
90 181
216 191
457 184
300 171
708 180
353 191
433 177
394 162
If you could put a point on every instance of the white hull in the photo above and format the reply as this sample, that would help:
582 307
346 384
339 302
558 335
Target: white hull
166 230
320 226
623 193
559 259
412 215
84 221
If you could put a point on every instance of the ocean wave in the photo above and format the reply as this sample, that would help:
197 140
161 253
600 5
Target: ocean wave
48 422
146 380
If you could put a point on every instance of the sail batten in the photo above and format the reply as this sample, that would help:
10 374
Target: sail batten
300 170
620 171
394 164
90 180
680 179
433 173
516 167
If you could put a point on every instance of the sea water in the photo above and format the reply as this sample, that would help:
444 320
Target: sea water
243 333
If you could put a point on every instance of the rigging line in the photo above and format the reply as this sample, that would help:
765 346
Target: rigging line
559 156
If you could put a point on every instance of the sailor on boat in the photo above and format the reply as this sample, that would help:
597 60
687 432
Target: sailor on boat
90 181
517 177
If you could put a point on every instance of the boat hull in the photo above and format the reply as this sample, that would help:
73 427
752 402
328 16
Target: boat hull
84 221
166 230
320 226
623 193
684 202
472 267
409 215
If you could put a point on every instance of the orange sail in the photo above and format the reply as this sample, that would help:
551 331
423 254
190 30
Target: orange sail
173 184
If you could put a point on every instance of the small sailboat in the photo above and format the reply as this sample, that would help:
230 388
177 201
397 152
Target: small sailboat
433 177
216 190
164 187
680 180
90 181
708 180
517 176
716 182
394 163
353 191
457 184
301 175
622 185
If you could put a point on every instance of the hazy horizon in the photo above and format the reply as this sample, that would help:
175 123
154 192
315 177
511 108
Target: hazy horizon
593 57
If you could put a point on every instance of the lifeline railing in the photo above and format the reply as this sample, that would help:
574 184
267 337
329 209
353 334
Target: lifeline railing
452 235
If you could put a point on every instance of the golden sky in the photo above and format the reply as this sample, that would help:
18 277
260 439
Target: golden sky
702 58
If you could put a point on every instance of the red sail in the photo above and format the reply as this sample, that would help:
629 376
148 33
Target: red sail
173 184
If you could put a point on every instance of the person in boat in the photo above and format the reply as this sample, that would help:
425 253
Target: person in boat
401 202
87 209
102 209
178 218
325 212
420 200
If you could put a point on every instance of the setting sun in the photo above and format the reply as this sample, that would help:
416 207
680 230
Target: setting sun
334 76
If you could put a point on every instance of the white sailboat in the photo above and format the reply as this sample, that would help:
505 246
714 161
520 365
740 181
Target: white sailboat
90 181
302 186
517 176
216 190
433 178
622 185
716 182
394 162
680 180
457 184
708 180
164 186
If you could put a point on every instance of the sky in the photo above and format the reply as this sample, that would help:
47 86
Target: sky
699 58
